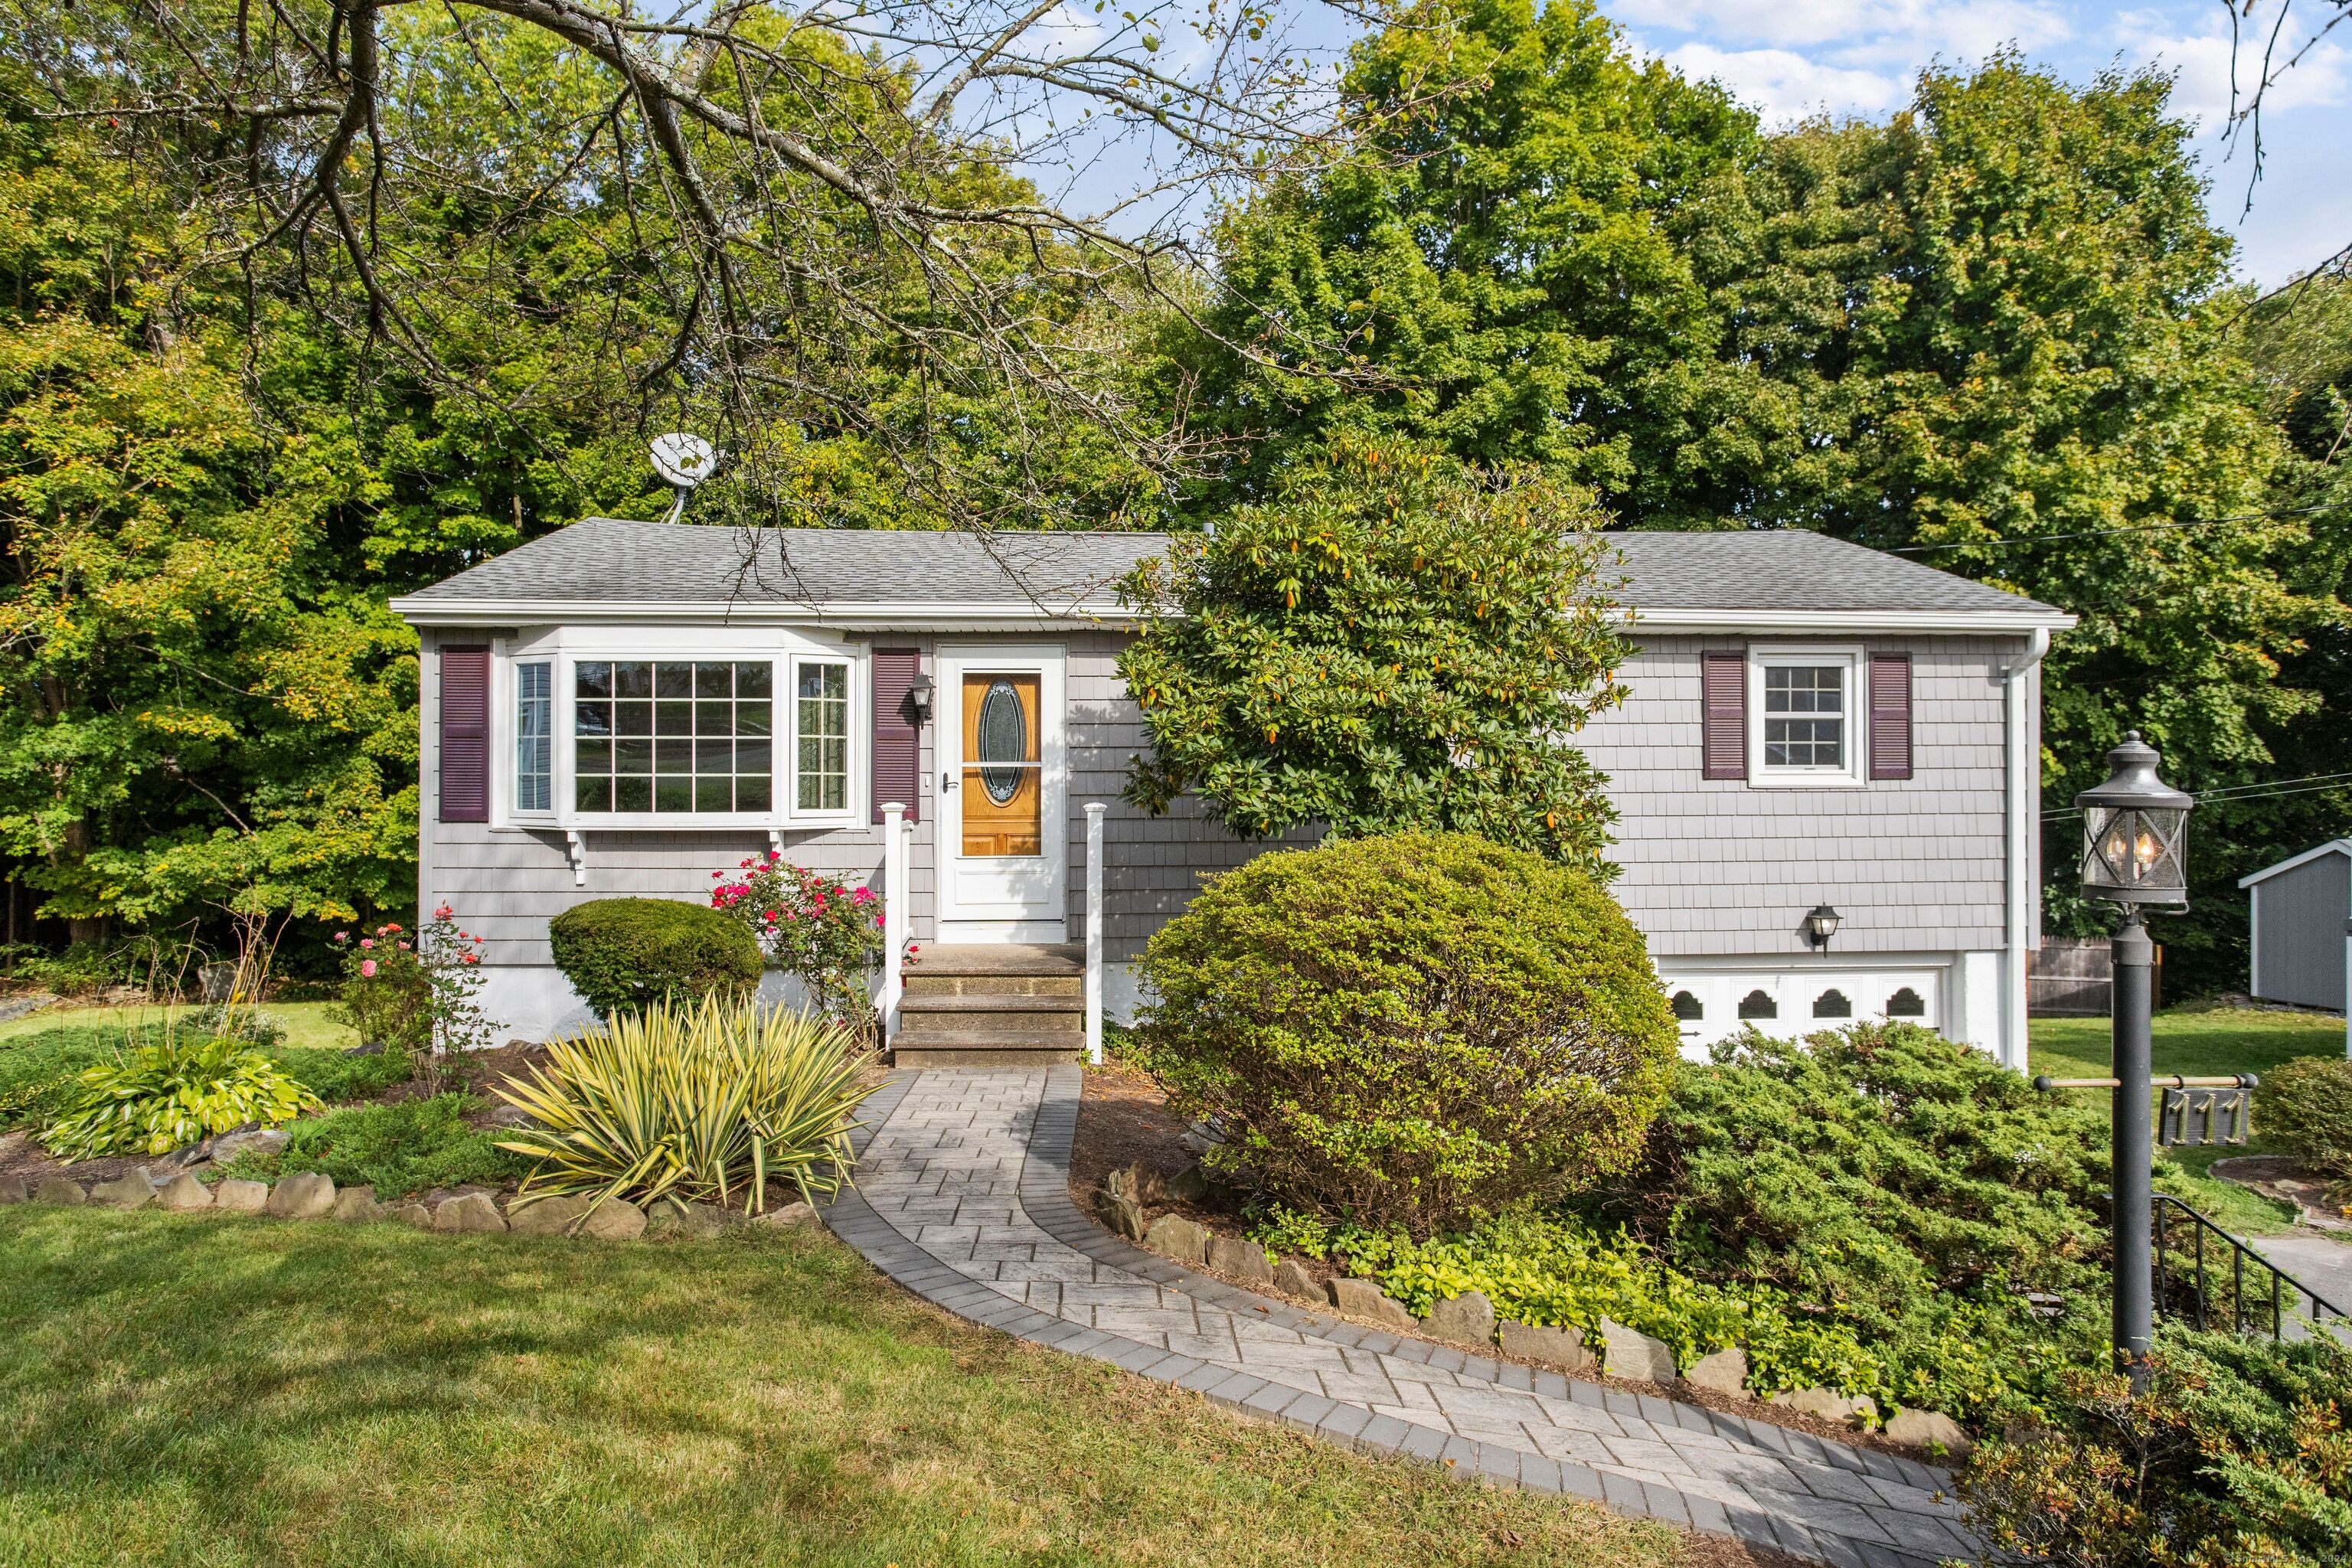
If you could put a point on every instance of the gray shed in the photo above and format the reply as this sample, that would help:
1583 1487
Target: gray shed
2301 911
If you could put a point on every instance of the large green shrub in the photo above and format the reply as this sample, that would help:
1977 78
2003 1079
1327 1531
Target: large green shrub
625 955
2306 1109
2235 1454
1879 1172
1409 1030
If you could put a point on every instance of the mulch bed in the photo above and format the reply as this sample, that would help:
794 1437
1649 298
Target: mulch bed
1123 1121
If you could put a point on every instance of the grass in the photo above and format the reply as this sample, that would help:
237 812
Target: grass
179 1388
307 1023
38 1064
2231 1040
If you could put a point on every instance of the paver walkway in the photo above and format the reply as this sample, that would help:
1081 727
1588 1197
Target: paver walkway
963 1198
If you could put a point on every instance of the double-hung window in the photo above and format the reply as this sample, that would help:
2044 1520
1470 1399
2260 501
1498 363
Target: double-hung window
820 736
534 775
1802 725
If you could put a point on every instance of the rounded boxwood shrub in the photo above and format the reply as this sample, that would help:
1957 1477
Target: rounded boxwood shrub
1409 1030
624 954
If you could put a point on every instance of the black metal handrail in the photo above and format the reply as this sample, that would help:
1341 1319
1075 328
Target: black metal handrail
2281 1281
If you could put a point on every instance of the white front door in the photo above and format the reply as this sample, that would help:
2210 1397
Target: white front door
1004 838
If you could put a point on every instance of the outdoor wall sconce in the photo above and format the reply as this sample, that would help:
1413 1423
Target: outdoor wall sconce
918 697
1822 925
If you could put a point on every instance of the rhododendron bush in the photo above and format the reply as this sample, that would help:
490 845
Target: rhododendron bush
818 928
417 992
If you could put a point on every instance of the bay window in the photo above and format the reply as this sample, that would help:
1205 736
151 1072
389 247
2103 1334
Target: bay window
534 737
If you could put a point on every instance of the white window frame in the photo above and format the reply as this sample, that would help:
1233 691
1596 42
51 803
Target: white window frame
789 730
1854 771
511 708
566 649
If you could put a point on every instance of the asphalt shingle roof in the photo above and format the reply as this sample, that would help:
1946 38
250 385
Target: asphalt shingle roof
610 560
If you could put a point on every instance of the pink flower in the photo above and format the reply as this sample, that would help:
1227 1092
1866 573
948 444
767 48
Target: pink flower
473 958
367 967
343 936
776 854
443 912
404 947
368 941
715 876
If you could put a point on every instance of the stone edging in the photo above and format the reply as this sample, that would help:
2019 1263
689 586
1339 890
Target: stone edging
1044 1194
308 1195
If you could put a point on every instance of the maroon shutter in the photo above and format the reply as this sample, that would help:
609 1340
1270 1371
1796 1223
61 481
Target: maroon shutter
1723 704
896 739
465 734
1890 715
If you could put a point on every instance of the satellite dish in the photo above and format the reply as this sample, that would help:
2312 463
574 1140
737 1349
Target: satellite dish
685 460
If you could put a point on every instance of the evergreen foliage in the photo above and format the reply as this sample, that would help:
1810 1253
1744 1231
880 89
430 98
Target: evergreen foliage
1409 1030
624 955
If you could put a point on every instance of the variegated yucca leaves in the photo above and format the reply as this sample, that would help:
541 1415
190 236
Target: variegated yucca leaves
705 1102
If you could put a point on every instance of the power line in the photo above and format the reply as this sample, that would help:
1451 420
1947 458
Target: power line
2105 532
2222 800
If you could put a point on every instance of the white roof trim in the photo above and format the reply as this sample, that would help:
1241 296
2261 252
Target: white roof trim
937 616
2333 847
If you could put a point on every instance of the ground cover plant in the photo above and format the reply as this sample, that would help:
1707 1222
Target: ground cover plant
625 955
2236 1453
1409 1031
374 1394
409 1146
39 1068
703 1103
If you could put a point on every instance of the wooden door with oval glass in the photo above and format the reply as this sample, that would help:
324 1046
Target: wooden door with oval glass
1001 798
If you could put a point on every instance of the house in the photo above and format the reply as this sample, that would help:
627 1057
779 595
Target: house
2302 919
1812 727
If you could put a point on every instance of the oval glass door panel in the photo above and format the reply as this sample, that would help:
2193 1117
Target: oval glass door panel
1001 793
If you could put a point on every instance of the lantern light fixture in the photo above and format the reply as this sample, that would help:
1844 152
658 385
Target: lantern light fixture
1821 924
918 697
2134 832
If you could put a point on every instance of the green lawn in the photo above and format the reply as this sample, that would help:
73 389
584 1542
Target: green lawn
2198 1044
215 1391
307 1023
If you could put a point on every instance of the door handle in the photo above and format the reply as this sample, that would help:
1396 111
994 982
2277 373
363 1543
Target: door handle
947 780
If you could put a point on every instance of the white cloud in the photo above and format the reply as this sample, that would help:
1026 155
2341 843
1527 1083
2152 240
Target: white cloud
1852 29
1786 86
2201 60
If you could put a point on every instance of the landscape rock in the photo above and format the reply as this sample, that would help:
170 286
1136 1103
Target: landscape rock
1725 1372
1928 1429
1629 1353
1123 1214
354 1206
792 1216
260 1140
1465 1319
13 1190
1827 1403
58 1190
1178 1239
1364 1299
1189 1186
412 1213
182 1193
471 1213
306 1196
181 1159
1244 1260
614 1219
1138 1181
1292 1278
248 1197
1561 1348
126 1192
547 1216
698 1221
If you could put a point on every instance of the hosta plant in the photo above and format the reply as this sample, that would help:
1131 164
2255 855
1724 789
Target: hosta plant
178 1092
702 1103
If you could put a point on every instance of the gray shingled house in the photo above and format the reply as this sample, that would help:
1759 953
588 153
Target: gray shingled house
623 708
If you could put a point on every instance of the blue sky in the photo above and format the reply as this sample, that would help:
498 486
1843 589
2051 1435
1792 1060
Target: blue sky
1794 58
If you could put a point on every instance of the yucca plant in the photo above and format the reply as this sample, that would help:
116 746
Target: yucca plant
706 1102
165 1095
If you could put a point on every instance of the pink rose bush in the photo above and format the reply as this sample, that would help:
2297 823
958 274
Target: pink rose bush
419 997
817 928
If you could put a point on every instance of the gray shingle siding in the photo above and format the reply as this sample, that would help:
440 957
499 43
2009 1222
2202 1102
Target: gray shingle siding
1721 867
2299 917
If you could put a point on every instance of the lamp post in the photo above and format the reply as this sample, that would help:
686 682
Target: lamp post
2135 836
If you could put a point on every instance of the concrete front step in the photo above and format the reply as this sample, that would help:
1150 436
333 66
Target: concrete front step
921 983
975 1004
1008 1004
1000 958
918 1054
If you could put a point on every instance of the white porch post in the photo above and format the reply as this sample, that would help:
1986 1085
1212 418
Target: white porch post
1095 810
894 914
